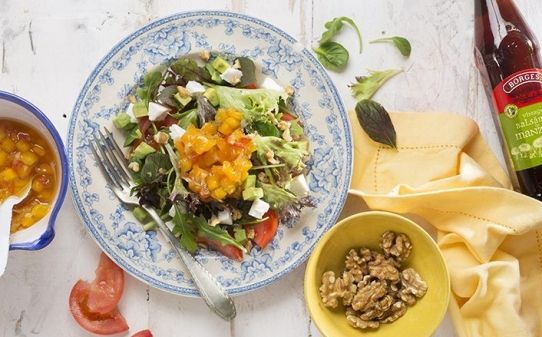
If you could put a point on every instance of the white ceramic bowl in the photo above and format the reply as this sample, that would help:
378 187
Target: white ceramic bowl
42 233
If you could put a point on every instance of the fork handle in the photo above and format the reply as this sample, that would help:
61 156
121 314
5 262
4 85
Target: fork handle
211 291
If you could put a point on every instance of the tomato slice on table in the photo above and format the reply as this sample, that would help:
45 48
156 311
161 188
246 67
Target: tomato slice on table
230 251
143 333
265 231
108 324
106 289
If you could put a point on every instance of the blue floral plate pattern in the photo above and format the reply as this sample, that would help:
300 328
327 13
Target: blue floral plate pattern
146 255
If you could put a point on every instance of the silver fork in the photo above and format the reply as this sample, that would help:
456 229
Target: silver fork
114 166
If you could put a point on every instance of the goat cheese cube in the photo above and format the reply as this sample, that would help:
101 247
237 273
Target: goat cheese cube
224 217
232 75
258 208
299 186
176 132
194 87
269 83
157 112
130 112
171 211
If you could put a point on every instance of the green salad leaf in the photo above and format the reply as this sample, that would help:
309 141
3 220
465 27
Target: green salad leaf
402 44
277 196
151 82
188 117
366 86
205 110
332 55
166 96
218 234
291 153
265 128
335 26
133 134
249 72
156 165
190 70
185 227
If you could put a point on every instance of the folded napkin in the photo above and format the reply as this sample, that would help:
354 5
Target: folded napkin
444 172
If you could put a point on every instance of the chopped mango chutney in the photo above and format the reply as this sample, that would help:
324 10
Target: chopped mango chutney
26 156
215 158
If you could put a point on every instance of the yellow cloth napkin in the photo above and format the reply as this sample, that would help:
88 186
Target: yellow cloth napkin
444 172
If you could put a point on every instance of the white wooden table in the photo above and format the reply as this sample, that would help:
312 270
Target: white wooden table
47 50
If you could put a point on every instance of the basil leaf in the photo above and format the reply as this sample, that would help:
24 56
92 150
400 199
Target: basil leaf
335 26
249 72
376 122
400 42
156 165
332 55
266 129
366 86
189 70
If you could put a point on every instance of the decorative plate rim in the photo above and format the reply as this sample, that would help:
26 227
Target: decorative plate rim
183 291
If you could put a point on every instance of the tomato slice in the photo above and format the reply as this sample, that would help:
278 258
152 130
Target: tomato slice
265 231
229 251
106 289
143 333
287 117
108 324
251 86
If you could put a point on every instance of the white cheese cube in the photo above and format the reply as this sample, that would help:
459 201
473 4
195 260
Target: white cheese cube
258 208
170 225
224 217
176 132
232 75
157 112
172 211
194 87
299 186
269 83
130 112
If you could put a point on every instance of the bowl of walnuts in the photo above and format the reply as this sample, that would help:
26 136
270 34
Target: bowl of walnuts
377 273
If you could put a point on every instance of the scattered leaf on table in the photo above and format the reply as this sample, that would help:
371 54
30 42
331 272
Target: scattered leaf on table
376 122
332 55
366 86
400 42
334 27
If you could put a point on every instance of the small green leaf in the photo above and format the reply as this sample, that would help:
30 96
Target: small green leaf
156 164
189 70
376 122
400 42
366 86
219 234
134 134
335 26
249 72
266 128
332 55
184 227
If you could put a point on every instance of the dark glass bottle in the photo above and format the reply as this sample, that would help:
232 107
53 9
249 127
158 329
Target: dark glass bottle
507 55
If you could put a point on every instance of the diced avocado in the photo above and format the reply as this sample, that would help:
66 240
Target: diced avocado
239 234
220 64
141 109
252 193
250 181
121 120
140 214
183 101
215 75
296 129
211 95
142 151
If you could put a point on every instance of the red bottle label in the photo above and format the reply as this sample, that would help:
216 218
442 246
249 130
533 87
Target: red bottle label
518 102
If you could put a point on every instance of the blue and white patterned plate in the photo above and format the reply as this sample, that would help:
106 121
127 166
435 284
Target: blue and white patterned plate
146 255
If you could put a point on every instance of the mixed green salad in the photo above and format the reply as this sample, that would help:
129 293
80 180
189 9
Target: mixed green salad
220 156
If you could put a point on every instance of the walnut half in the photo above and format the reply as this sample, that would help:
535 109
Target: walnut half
397 246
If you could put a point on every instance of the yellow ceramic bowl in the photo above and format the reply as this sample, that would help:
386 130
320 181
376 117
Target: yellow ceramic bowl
364 230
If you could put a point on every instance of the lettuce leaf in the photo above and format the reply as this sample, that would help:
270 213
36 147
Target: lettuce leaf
255 104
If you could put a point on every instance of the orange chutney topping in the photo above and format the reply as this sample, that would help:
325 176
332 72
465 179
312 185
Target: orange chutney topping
215 158
25 156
